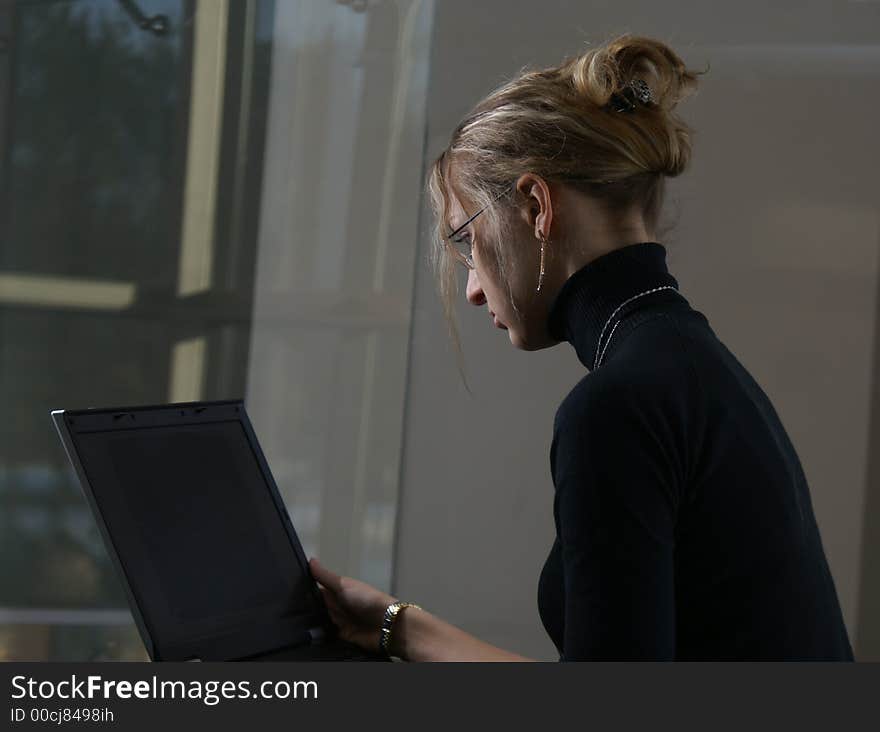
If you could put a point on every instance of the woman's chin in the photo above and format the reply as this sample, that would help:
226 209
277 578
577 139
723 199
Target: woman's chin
515 340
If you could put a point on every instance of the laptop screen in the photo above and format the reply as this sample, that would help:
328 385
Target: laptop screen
196 527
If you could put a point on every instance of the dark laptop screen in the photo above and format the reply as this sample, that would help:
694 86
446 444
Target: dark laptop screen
195 527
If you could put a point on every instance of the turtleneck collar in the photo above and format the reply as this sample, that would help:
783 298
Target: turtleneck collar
589 297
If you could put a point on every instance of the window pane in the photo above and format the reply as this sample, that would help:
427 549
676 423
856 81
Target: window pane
227 208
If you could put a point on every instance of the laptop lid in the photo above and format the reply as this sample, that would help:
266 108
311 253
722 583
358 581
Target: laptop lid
196 527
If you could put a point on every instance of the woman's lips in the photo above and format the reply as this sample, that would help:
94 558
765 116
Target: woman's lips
498 323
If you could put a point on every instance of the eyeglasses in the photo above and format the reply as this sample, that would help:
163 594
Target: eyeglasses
462 245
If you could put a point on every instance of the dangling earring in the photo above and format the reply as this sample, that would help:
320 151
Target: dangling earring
541 273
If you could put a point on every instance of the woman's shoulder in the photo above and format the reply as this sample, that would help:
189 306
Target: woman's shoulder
651 371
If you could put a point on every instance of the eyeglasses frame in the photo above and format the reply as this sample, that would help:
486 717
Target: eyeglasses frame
468 261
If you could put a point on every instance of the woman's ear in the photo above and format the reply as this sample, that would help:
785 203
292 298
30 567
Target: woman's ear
537 211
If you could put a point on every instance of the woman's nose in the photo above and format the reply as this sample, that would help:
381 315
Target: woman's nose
473 291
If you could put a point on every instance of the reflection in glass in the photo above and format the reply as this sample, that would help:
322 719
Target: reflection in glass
204 213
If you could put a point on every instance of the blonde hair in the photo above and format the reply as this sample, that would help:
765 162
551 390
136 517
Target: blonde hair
555 123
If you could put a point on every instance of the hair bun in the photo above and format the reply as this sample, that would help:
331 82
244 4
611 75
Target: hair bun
604 75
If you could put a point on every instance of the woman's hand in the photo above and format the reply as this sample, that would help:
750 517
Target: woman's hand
355 607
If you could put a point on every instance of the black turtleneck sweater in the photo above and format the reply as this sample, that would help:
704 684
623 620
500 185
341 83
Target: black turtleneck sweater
684 524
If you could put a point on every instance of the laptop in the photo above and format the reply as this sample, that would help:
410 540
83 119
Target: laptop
192 518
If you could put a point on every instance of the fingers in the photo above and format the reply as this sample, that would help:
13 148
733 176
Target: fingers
325 576
333 608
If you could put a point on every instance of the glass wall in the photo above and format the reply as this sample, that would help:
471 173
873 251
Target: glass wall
336 268
202 199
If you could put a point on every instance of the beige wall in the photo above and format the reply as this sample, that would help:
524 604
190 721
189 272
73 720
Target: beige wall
776 243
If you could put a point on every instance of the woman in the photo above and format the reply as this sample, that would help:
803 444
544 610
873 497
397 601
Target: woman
684 523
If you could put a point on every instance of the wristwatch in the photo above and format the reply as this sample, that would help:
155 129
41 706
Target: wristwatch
390 614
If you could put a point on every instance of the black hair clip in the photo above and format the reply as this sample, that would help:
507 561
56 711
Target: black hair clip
636 91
